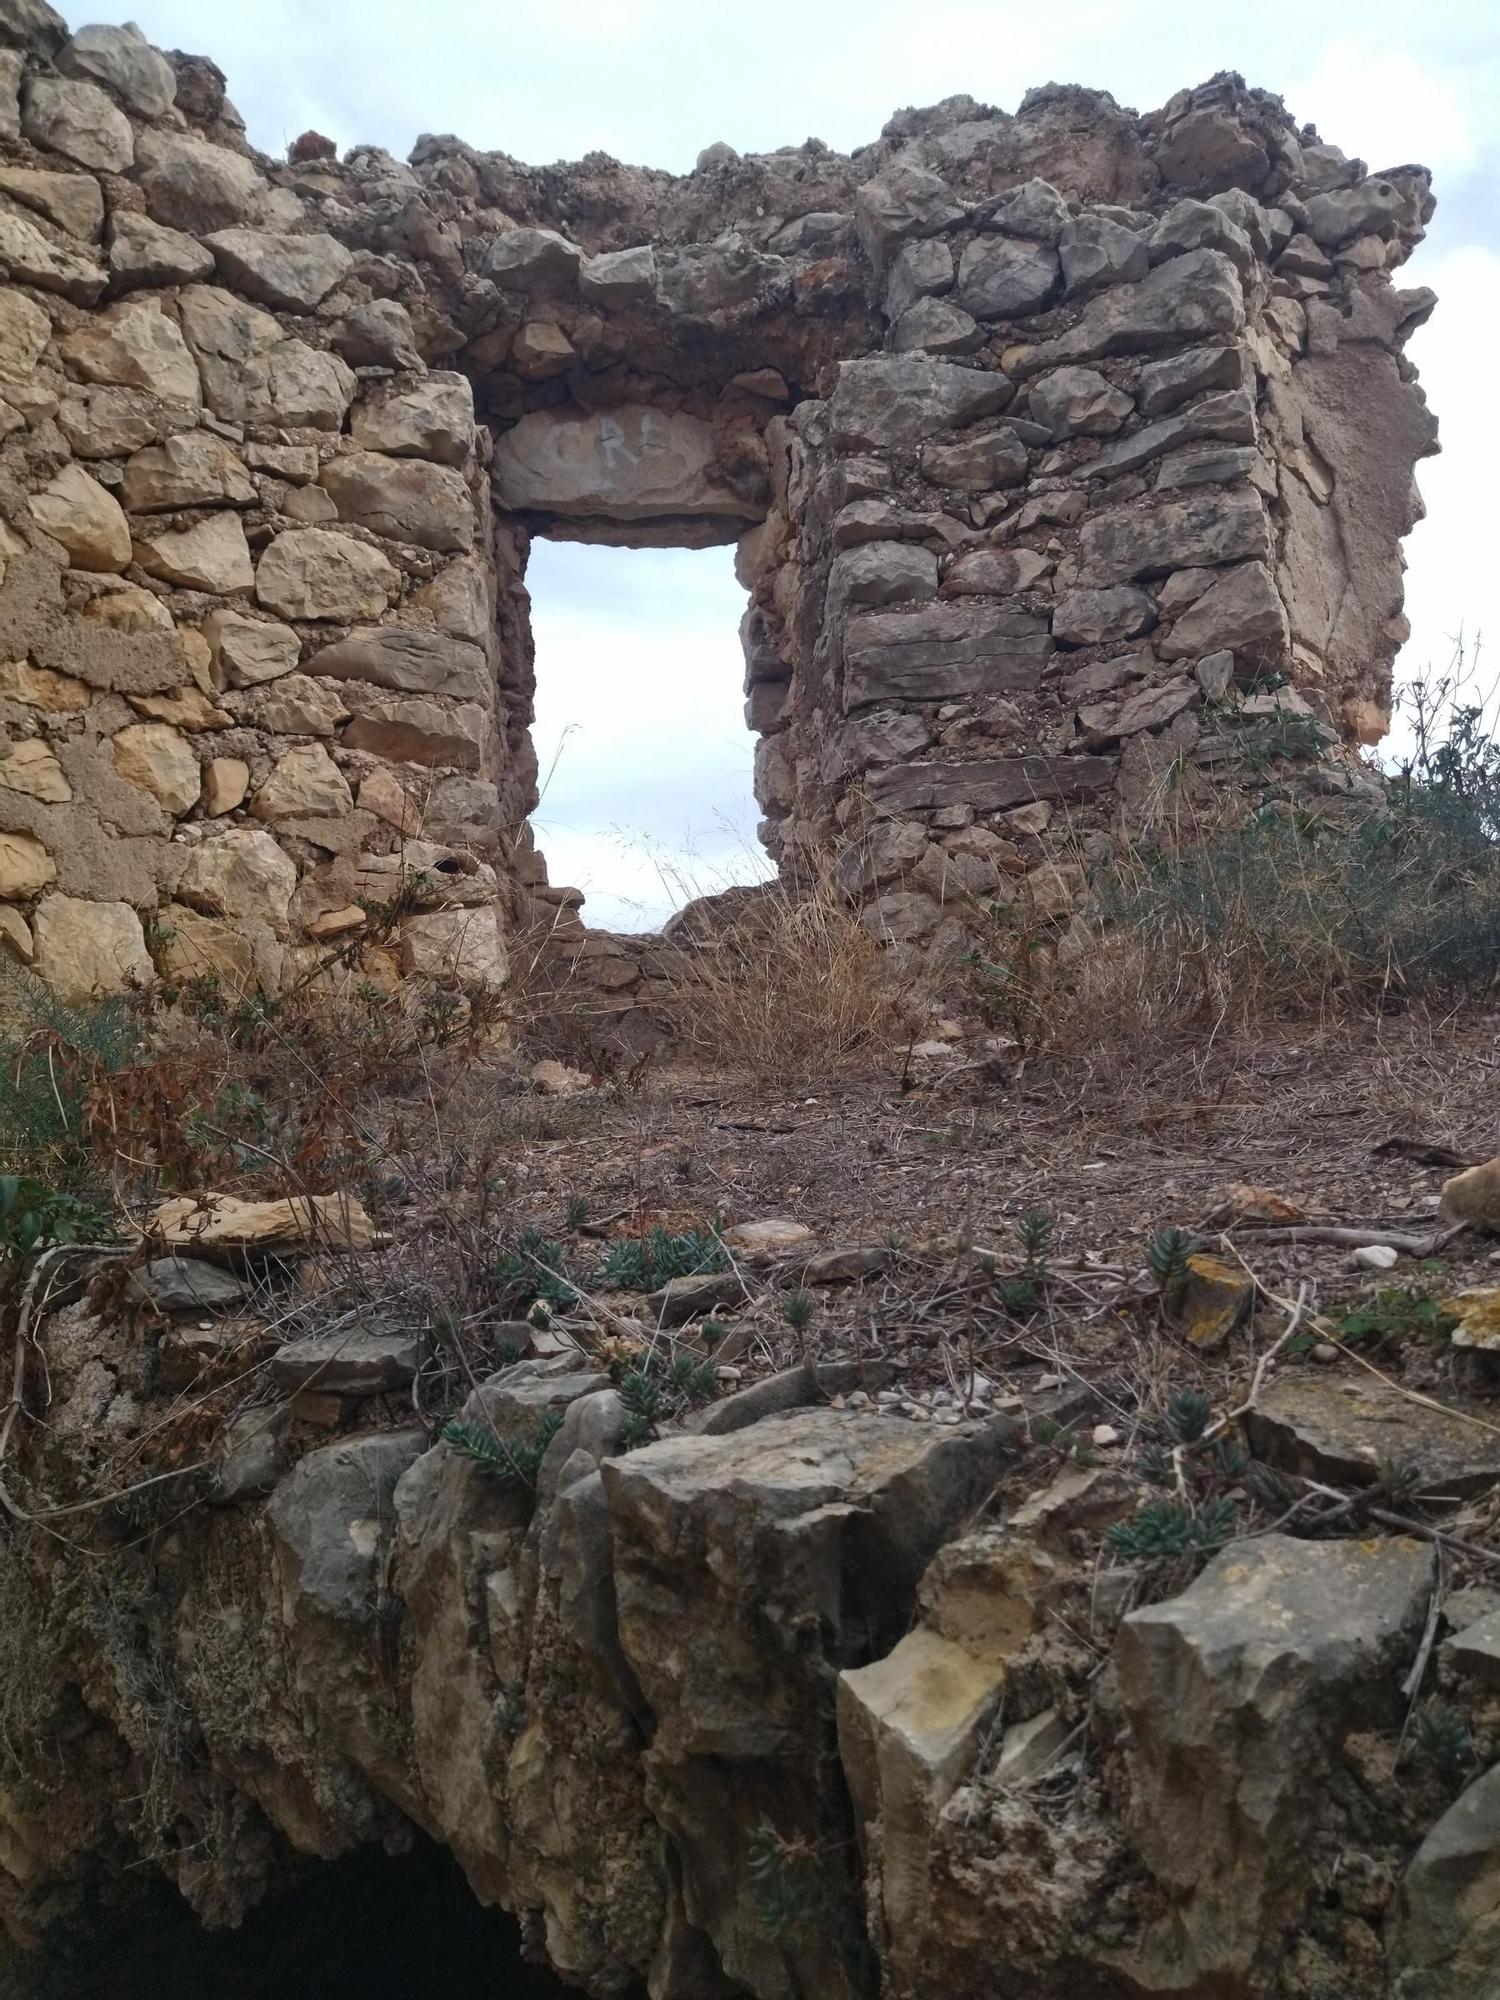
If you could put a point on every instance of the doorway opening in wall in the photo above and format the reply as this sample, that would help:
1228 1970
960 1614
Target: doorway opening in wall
646 762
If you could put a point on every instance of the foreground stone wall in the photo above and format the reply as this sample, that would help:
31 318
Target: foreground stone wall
1050 444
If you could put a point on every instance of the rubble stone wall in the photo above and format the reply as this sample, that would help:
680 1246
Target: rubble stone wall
1060 450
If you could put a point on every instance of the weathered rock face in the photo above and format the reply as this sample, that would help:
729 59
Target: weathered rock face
1131 388
794 1700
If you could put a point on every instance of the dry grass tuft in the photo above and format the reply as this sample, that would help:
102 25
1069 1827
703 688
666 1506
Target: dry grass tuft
791 985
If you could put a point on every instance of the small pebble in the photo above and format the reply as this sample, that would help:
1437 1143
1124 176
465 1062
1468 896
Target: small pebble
1374 1257
1325 1353
859 1399
1105 1434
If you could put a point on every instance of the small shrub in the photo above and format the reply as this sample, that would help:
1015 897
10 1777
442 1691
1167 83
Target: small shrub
1167 1254
1440 1737
513 1461
1165 1530
645 1263
1396 1313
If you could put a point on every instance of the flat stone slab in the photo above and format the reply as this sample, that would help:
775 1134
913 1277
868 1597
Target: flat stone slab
1475 1652
1338 1429
181 1284
350 1364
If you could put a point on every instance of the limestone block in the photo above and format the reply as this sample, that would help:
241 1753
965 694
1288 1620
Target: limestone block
996 572
1153 536
161 761
627 464
241 873
315 573
536 262
15 935
143 252
541 350
977 465
932 326
72 201
881 573
1236 1694
415 662
922 269
619 277
1077 402
1034 210
941 651
25 866
100 421
1166 383
248 651
40 687
293 273
30 258
379 335
194 186
24 331
1089 617
305 781
225 783
293 705
1242 613
32 767
1444 1941
213 555
455 944
990 784
88 951
1227 418
63 115
406 499
382 793
136 346
1210 148
1188 298
894 401
228 1222
1095 251
434 420
185 707
416 729
193 469
85 517
1000 277
122 58
903 202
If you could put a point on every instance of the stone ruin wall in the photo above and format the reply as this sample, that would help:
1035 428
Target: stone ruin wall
1047 442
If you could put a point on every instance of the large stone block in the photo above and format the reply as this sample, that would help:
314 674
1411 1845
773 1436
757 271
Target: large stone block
631 463
414 662
317 573
941 651
991 784
1151 537
90 951
892 402
405 499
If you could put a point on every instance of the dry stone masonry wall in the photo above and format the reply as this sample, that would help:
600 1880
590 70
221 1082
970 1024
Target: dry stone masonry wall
1063 452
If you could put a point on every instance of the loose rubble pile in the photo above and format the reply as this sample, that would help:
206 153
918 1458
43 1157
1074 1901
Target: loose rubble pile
1058 449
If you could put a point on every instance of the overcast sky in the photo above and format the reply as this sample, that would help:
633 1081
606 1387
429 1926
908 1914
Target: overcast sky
638 649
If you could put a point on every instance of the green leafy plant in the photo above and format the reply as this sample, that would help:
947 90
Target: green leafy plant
790 1891
533 1268
1167 1254
1396 1313
653 1392
646 1263
33 1215
575 1211
1440 1737
1034 1230
1188 1415
513 1461
1165 1530
797 1311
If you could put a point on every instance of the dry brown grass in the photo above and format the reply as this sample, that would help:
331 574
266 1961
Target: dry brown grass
792 986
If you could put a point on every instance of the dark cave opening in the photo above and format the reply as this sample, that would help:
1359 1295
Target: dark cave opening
368 1927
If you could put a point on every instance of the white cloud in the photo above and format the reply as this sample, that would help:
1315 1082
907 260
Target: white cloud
1389 108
